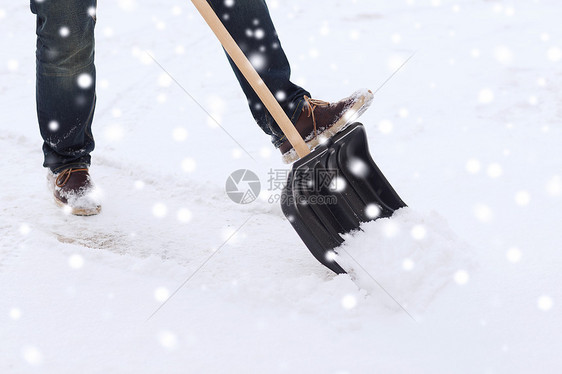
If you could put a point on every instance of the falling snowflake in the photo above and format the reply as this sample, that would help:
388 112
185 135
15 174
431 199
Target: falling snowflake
494 170
139 185
418 232
461 277
541 82
15 314
85 81
390 229
545 303
372 211
497 8
161 294
180 50
231 235
32 355
265 152
188 165
259 34
473 166
159 210
280 95
184 215
164 80
554 186
114 133
483 213
13 65
64 31
485 96
108 32
509 11
503 55
403 112
394 62
408 264
513 254
116 112
179 134
76 261
522 198
349 302
338 184
127 5
236 153
385 126
554 54
330 255
258 61
168 339
358 167
24 229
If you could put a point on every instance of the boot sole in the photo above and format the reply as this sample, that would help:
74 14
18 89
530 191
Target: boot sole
83 212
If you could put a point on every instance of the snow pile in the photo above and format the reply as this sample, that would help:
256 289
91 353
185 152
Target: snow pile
410 258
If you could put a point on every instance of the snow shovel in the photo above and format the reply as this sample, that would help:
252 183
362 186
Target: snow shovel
330 190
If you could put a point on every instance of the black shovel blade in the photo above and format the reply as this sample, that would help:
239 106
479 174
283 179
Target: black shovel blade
333 190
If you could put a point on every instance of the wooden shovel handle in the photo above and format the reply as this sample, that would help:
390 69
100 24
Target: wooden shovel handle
252 77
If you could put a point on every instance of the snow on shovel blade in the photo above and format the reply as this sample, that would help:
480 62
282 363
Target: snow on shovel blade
332 190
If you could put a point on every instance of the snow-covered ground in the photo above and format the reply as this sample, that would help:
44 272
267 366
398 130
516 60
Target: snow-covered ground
468 132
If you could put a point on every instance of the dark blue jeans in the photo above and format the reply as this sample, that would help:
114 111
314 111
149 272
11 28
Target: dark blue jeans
66 74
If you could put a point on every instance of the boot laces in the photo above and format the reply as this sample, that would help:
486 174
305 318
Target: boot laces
64 176
312 104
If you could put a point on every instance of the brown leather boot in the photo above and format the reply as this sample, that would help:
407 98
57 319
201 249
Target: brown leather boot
74 191
321 120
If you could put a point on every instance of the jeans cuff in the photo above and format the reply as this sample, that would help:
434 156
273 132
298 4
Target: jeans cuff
277 140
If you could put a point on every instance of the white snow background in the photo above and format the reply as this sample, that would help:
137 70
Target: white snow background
468 132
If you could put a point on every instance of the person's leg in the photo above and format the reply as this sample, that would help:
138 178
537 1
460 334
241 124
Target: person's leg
66 98
249 23
65 87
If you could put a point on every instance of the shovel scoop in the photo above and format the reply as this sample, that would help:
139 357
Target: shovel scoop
334 189
329 191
